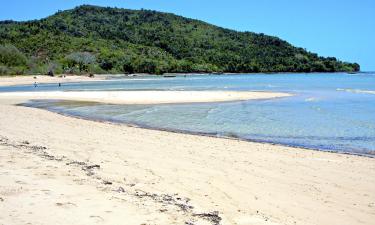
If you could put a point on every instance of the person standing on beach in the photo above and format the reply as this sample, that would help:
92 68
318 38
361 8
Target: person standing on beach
35 84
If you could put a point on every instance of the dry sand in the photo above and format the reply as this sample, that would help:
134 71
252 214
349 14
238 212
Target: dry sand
61 170
144 97
42 79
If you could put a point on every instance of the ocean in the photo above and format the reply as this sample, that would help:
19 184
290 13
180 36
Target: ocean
328 112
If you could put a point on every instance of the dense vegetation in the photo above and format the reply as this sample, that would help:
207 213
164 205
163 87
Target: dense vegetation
111 40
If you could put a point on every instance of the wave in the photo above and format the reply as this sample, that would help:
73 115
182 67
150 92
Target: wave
358 91
311 99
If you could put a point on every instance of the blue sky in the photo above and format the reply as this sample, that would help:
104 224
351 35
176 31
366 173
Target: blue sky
341 28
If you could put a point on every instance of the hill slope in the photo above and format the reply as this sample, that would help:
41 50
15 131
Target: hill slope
112 40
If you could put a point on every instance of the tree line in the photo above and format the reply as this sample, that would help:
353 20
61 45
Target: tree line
91 39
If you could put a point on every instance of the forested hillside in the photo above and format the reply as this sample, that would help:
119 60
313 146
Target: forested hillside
111 40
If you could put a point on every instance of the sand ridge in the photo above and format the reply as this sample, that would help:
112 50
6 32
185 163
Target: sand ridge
145 97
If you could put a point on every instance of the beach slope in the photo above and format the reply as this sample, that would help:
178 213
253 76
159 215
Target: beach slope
61 170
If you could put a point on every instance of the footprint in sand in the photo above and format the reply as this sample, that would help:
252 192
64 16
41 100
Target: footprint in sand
97 218
7 191
66 205
20 182
47 191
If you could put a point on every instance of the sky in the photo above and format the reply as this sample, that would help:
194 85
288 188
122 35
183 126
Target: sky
344 29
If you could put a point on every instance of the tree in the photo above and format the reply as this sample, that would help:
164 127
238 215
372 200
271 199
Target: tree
52 66
156 42
127 65
11 56
80 59
146 66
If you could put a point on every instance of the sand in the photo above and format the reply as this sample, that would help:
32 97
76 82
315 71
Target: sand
61 170
42 79
145 97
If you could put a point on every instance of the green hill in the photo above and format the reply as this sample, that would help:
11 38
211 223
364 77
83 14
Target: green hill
112 40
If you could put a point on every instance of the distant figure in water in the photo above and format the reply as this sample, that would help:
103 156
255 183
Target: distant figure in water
35 84
59 84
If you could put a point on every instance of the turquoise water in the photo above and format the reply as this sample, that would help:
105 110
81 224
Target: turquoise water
330 112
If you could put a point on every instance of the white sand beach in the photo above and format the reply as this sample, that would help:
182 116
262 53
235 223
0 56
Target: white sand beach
56 169
187 112
43 79
144 97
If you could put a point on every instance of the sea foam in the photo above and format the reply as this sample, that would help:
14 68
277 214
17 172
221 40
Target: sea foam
359 91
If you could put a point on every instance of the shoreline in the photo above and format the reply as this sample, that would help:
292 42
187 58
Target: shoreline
55 162
59 163
154 97
45 79
203 134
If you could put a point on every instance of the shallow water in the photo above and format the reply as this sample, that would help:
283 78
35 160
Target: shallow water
330 112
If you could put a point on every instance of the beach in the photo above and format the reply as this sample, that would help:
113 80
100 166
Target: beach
191 113
43 79
56 169
144 97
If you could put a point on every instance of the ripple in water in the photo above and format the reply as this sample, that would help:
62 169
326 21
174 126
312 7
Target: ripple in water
332 112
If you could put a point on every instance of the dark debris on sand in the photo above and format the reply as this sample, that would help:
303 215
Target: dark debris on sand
182 204
213 217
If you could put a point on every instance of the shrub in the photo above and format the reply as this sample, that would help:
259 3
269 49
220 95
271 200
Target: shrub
82 60
4 70
10 56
